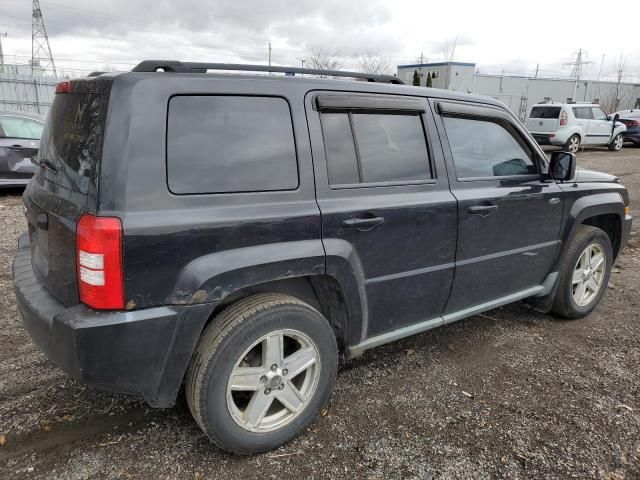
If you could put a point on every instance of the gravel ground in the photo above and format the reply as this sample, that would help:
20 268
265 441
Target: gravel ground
508 394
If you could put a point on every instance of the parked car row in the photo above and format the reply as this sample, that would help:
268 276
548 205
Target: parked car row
570 125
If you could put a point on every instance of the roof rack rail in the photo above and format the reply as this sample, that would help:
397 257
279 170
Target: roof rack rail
197 67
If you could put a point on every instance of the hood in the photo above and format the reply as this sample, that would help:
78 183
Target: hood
583 176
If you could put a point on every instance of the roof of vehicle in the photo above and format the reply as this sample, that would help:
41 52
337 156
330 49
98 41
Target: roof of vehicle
566 104
15 113
375 83
632 113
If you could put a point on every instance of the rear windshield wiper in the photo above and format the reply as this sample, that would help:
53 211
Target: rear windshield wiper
45 163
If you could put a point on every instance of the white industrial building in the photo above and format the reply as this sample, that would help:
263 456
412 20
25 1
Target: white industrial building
25 89
520 93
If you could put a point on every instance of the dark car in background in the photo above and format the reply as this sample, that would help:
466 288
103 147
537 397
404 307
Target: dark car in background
19 142
631 118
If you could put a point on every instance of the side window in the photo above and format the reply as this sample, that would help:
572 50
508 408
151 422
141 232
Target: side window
583 113
221 144
375 147
487 148
19 127
598 114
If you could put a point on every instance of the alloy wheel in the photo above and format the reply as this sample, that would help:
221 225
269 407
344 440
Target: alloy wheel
574 144
588 274
617 142
273 381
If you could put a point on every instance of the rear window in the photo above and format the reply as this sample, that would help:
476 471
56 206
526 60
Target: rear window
72 138
545 112
224 144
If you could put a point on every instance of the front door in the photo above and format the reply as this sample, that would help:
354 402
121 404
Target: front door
509 210
601 127
387 213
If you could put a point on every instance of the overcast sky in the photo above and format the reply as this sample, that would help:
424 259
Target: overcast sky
88 35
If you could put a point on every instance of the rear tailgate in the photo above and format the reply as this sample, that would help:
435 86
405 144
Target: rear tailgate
544 119
58 195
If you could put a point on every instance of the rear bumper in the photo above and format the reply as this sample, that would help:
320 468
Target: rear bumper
140 352
633 136
548 139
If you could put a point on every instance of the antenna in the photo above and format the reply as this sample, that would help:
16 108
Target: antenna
40 48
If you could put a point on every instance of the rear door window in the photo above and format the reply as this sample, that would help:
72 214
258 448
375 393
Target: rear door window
224 144
583 113
370 148
545 112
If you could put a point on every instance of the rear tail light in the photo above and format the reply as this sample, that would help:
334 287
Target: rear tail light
99 261
631 123
63 87
563 118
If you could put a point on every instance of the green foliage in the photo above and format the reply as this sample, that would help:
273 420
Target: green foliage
429 82
416 78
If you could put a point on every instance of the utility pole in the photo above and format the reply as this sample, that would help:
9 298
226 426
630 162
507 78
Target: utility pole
576 69
2 34
40 48
269 54
537 67
302 64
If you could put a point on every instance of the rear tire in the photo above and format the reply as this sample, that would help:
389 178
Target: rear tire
262 371
573 144
616 143
582 280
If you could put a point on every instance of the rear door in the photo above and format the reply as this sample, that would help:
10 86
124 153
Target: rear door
584 119
66 187
19 142
386 207
509 211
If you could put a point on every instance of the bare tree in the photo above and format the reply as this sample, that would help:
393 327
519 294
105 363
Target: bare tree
323 59
612 101
374 64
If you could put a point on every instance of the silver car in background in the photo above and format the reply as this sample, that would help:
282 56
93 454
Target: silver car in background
570 125
19 142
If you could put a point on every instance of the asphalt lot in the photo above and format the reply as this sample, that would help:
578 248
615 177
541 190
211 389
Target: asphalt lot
507 394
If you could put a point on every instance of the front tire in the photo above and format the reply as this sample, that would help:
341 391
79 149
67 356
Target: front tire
573 143
261 372
616 143
584 273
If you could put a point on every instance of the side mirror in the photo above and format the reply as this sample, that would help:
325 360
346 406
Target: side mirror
616 117
562 166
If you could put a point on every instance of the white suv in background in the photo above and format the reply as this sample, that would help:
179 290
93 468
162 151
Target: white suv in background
572 124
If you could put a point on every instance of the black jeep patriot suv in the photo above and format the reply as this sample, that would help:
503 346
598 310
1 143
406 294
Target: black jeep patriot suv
239 233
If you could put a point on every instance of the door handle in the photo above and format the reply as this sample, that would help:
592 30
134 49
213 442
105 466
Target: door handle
16 147
482 210
363 224
554 200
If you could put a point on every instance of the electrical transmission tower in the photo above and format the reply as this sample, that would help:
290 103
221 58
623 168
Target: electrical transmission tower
576 68
40 49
